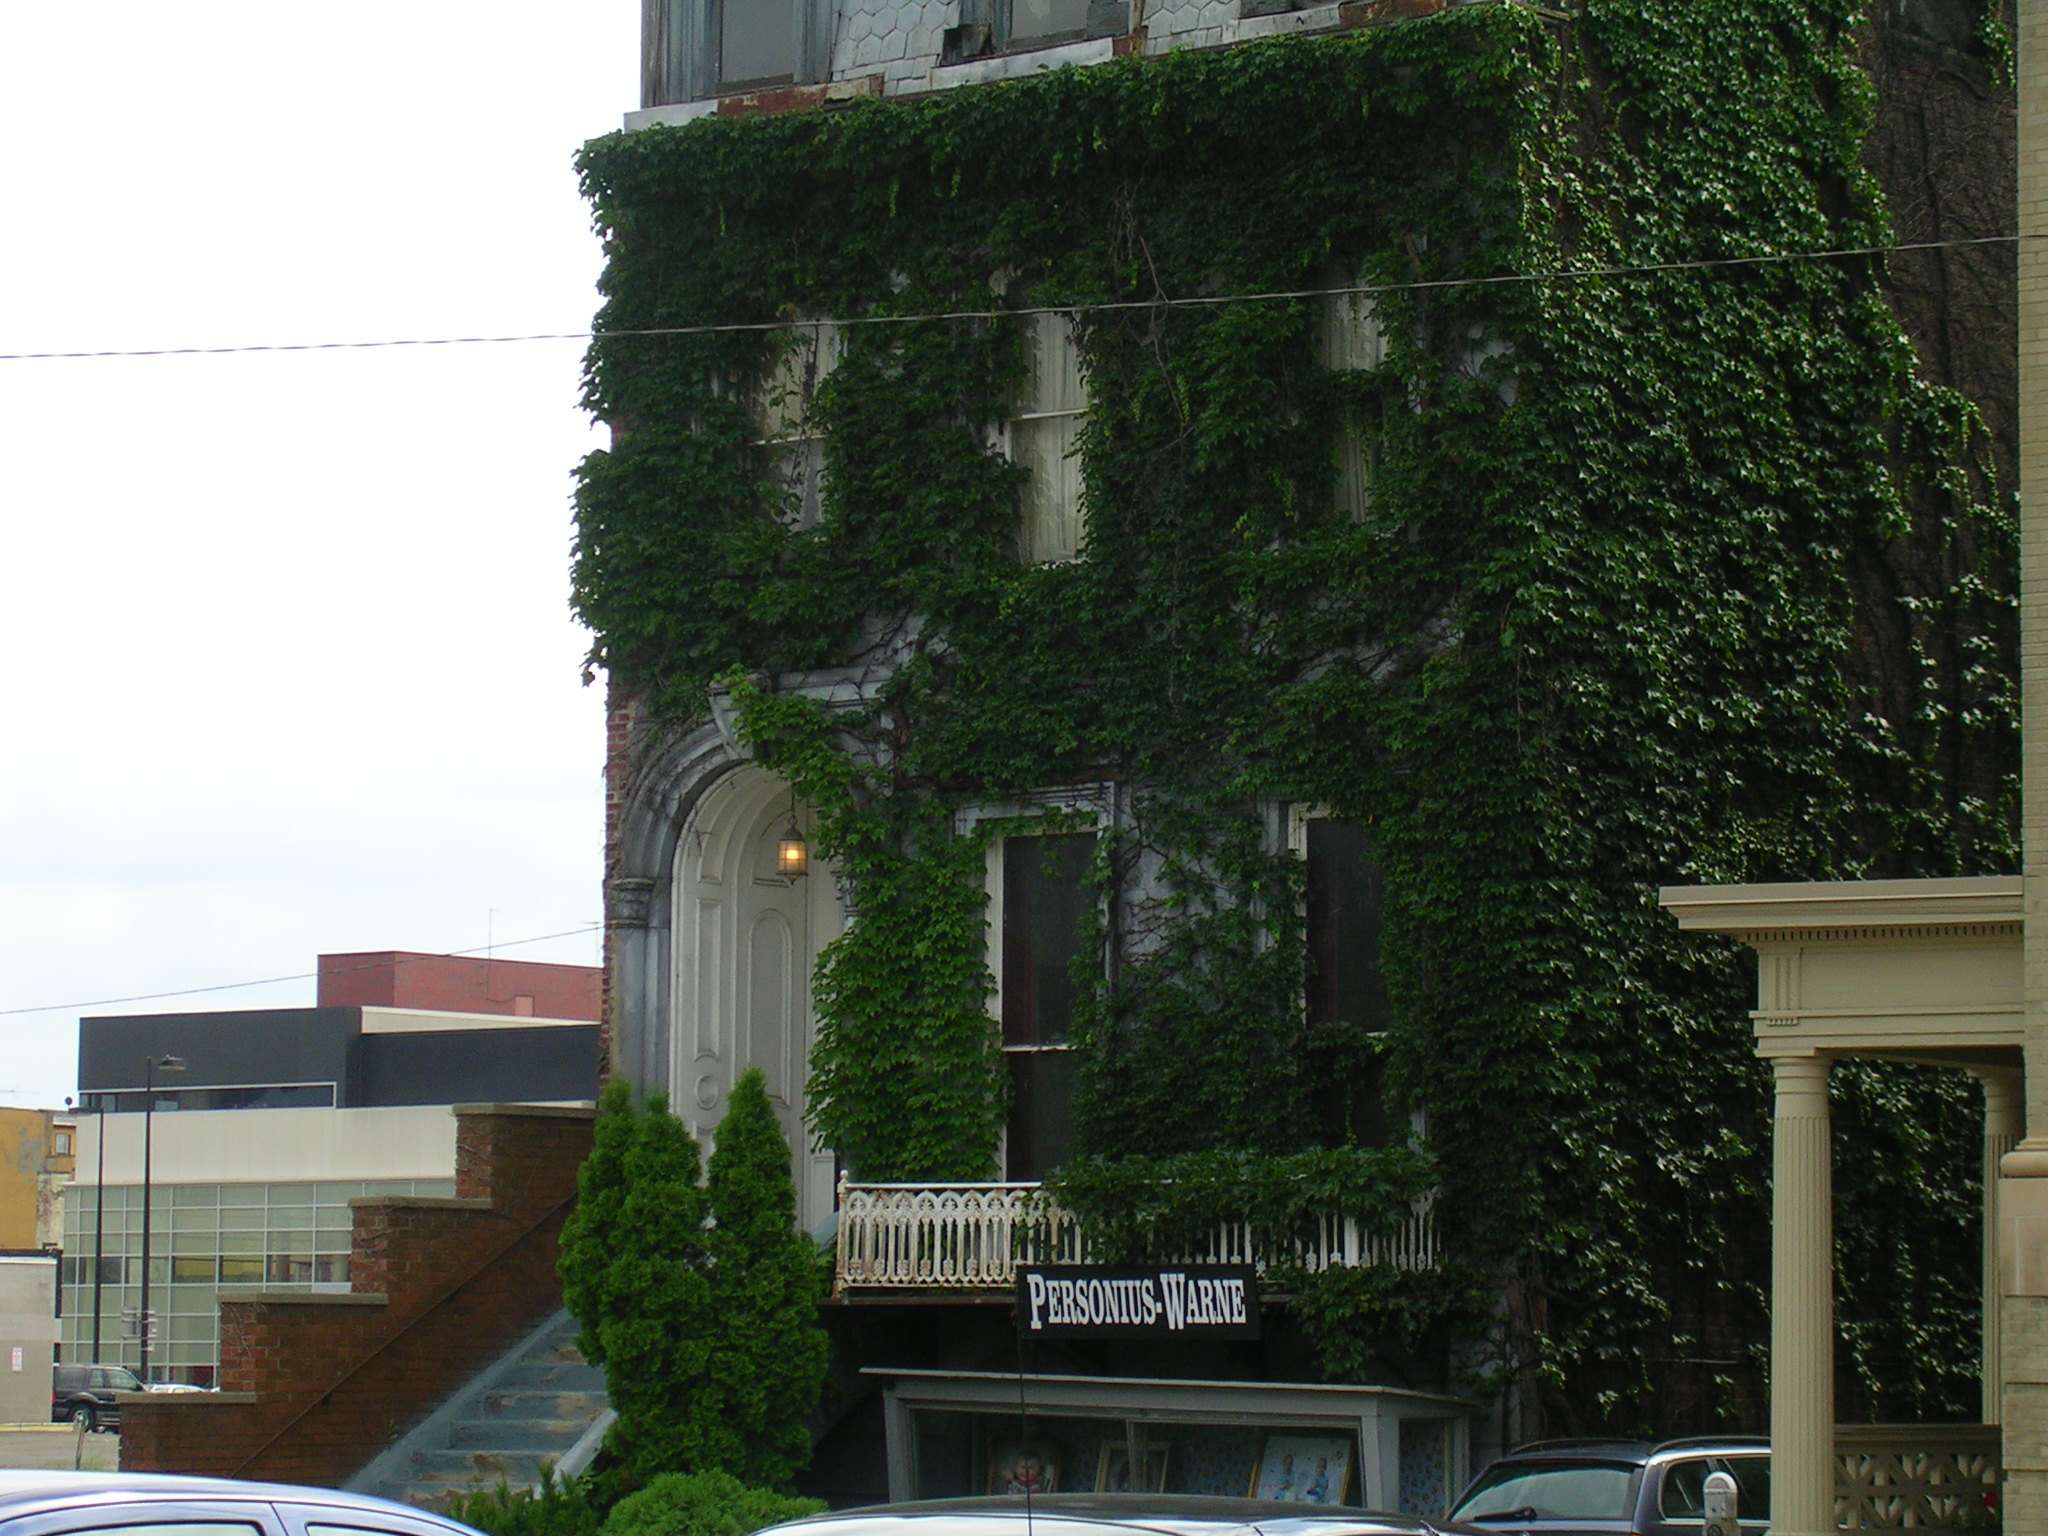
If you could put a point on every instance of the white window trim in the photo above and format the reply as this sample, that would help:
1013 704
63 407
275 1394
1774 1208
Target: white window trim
1096 798
1044 529
1299 815
793 436
1351 339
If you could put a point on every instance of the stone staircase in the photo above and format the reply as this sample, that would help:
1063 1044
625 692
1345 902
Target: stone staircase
540 1404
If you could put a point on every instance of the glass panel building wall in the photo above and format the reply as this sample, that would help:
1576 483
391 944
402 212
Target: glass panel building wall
204 1238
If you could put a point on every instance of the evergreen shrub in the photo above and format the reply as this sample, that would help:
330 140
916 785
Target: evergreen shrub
709 1503
699 1298
558 1507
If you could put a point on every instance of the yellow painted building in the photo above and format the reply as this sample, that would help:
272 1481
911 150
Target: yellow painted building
37 1155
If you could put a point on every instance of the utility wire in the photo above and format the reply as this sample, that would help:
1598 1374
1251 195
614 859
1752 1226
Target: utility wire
1567 274
267 981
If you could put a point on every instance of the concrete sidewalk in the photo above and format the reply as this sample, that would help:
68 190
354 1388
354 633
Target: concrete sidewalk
43 1446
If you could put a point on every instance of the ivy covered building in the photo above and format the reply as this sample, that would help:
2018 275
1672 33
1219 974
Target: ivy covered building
1174 576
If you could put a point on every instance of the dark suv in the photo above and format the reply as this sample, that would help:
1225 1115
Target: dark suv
1618 1487
84 1394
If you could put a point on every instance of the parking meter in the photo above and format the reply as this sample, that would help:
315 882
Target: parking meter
1722 1495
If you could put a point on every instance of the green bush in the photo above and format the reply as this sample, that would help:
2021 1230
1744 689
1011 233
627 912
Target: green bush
767 1363
699 1297
658 1322
712 1503
589 1239
558 1507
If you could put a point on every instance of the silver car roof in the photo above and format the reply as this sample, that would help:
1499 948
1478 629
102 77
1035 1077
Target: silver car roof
22 1491
1071 1514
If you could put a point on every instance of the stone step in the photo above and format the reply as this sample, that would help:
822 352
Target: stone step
541 1400
582 1406
476 1468
555 1435
550 1376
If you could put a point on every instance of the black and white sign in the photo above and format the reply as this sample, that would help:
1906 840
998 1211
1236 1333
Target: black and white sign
1182 1301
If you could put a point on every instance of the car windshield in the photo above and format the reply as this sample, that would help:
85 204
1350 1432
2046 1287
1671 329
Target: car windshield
1552 1490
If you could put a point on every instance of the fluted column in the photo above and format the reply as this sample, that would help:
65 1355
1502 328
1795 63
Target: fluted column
2023 1199
2005 1121
1802 1302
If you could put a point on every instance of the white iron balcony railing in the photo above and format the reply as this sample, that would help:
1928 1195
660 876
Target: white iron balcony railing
974 1236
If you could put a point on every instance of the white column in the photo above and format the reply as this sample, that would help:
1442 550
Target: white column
2005 1120
1802 1302
2023 1199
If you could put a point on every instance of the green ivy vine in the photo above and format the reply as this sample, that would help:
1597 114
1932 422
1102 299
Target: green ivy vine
1590 636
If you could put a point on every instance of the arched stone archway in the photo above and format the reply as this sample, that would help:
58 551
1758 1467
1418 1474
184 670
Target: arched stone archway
745 941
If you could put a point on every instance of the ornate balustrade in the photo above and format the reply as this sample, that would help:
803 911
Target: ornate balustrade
1932 1479
973 1237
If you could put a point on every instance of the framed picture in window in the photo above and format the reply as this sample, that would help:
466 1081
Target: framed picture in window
1297 1468
1023 1466
1113 1468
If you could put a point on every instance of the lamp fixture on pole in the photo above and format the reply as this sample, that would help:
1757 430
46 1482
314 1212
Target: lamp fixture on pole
150 1068
792 854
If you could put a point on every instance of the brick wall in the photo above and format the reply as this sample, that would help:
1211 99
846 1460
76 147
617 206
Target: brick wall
313 1387
457 984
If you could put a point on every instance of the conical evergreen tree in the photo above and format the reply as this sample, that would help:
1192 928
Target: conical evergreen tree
592 1235
658 1319
767 1363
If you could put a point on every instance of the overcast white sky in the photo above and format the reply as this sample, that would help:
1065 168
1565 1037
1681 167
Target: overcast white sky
286 661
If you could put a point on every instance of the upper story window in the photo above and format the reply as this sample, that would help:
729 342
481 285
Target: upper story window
785 417
1005 26
61 1144
1044 437
1045 906
693 49
757 42
1349 338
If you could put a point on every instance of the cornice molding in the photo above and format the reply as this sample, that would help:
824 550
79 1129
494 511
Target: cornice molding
1978 906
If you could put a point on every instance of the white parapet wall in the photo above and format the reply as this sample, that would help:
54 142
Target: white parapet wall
273 1146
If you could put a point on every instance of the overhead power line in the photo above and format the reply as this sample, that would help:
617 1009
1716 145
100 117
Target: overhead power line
268 981
1200 301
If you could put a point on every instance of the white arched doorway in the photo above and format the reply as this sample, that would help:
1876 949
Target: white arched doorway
746 942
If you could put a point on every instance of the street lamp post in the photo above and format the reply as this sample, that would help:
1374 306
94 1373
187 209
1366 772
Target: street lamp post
99 1229
154 1065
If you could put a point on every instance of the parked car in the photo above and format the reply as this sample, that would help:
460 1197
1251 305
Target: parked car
84 1394
142 1504
1617 1487
1103 1514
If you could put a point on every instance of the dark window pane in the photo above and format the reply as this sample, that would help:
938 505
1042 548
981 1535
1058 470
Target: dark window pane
1045 907
1344 889
1041 1113
1346 991
255 1096
1684 1494
1753 1486
1044 19
758 41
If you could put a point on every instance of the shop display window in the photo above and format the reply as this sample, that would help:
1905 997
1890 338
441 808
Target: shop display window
962 1453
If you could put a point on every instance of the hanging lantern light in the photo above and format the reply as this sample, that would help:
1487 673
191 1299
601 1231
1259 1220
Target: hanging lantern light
792 854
